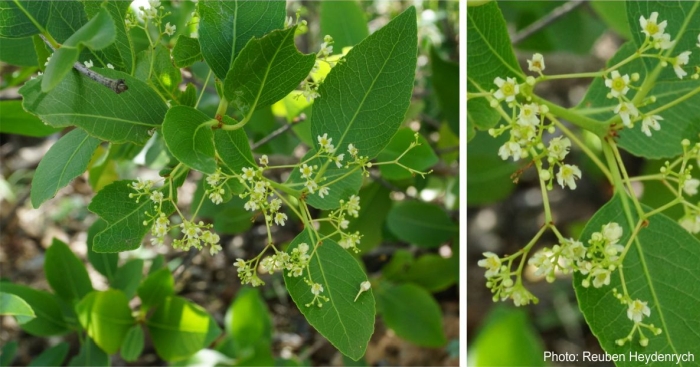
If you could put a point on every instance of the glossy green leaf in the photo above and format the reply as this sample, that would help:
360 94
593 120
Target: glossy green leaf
15 23
186 51
445 77
419 223
430 271
125 217
188 135
248 322
420 158
233 148
49 318
659 269
681 121
8 352
179 328
265 71
66 273
104 262
13 305
489 175
123 44
345 22
374 206
77 100
67 159
614 14
133 344
490 56
348 325
53 356
90 355
364 99
413 314
128 277
96 34
189 96
225 27
159 73
14 120
680 15
107 318
18 51
156 288
341 182
506 338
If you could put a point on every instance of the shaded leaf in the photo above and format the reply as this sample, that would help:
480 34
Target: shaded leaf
413 314
345 22
188 135
17 121
49 318
420 223
107 318
66 273
186 51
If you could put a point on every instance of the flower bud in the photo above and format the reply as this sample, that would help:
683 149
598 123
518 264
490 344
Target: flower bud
545 175
644 342
530 80
635 77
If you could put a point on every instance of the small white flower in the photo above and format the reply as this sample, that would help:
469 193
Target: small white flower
507 89
251 206
626 110
316 289
521 296
214 179
352 150
492 263
157 197
154 3
536 64
567 176
110 66
311 186
353 205
344 223
264 160
170 29
324 141
650 27
637 310
690 223
248 173
216 197
651 122
339 160
664 42
306 171
150 13
680 61
619 85
275 204
323 191
214 249
601 277
528 115
612 232
326 49
280 218
88 64
364 287
510 149
559 148
690 186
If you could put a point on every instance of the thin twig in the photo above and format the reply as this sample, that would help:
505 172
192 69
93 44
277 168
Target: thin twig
271 136
185 264
116 85
548 19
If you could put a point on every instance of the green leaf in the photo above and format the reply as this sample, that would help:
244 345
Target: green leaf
364 99
16 121
374 206
341 182
123 44
614 14
226 26
489 175
125 217
15 23
77 100
133 344
13 305
104 263
490 56
66 160
49 318
156 288
419 158
186 51
180 328
445 77
90 355
233 149
96 34
189 96
345 22
102 169
8 352
248 322
188 135
659 269
413 314
107 318
18 51
348 325
430 271
420 223
506 338
66 273
159 73
128 277
266 70
53 356
679 15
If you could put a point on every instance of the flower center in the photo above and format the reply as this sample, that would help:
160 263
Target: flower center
508 89
618 84
652 28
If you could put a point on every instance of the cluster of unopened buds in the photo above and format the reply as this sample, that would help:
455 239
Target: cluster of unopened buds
153 13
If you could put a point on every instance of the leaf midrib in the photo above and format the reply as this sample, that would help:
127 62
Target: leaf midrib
493 51
132 122
330 296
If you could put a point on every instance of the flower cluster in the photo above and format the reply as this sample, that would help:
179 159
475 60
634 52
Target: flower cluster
309 87
499 280
558 258
153 13
260 195
687 184
637 310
